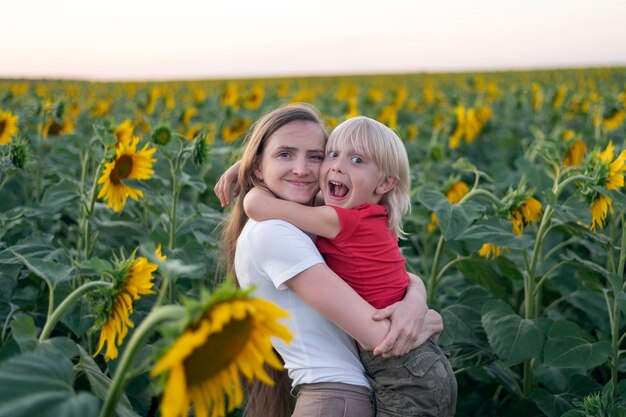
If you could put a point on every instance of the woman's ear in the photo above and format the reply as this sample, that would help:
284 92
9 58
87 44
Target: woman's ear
386 184
257 172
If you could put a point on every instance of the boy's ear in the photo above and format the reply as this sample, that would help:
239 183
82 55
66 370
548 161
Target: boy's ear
386 184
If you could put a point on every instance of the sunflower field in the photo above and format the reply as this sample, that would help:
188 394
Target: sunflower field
113 300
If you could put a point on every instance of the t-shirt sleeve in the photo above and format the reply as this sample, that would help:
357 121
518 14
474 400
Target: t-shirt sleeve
282 251
348 222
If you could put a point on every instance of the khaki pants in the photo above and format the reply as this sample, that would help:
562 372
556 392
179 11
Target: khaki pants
332 399
420 383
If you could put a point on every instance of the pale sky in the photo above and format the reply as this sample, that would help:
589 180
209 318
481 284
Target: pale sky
199 39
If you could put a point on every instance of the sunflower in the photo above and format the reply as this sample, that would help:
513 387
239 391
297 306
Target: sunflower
614 120
599 208
607 173
132 280
203 365
529 211
128 164
235 129
57 127
489 249
255 98
123 133
8 127
613 178
575 153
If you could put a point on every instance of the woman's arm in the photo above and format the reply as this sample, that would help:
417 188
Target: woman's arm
407 318
260 205
327 293
322 289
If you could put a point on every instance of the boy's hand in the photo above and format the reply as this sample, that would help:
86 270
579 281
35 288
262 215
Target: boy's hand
227 186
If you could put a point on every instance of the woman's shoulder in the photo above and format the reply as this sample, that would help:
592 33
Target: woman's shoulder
272 228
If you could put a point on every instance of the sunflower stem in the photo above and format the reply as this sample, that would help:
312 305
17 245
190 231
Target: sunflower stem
479 192
89 212
615 339
173 170
147 326
54 318
432 282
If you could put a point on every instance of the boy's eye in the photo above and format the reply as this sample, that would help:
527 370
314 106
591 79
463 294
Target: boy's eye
333 154
356 160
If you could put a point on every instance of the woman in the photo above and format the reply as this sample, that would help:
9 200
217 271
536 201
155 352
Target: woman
283 154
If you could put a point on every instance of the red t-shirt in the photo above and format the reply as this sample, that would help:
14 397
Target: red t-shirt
366 255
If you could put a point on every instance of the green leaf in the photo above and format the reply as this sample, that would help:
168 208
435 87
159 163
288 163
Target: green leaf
513 338
479 271
552 405
103 134
567 348
40 384
59 195
497 232
509 268
99 382
24 332
52 272
461 325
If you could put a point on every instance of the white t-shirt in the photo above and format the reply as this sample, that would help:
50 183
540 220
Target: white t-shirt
270 253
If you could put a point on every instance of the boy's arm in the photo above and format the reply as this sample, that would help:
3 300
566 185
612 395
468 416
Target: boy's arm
227 186
260 204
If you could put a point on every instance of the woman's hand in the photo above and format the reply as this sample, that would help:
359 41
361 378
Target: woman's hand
227 186
412 323
406 336
407 320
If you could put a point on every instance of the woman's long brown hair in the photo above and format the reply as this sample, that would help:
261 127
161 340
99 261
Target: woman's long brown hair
262 400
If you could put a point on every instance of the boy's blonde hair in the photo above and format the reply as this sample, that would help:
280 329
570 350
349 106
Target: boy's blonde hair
385 148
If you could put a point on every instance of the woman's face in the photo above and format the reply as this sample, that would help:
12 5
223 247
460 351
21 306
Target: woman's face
290 163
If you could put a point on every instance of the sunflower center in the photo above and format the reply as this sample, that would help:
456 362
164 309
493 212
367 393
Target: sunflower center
55 129
3 124
219 351
123 167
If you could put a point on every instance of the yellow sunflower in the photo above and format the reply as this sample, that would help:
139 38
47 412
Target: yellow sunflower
128 164
529 211
490 250
57 127
8 127
235 129
599 208
255 98
609 173
135 281
614 120
575 153
204 364
124 133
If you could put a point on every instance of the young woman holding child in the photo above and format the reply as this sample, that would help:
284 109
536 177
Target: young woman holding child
283 154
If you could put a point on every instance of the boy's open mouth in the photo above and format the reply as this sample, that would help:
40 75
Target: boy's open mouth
337 189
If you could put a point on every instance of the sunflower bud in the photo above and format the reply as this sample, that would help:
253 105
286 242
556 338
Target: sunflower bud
162 135
200 152
19 152
436 152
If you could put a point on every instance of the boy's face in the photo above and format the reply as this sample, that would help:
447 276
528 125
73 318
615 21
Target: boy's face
349 179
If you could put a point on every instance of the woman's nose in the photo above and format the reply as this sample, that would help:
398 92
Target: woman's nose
300 166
